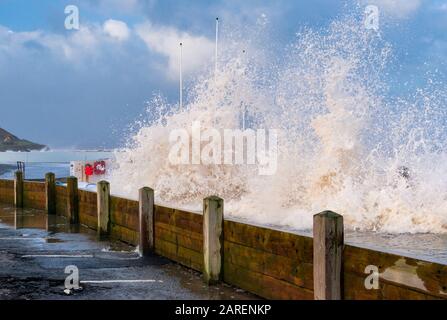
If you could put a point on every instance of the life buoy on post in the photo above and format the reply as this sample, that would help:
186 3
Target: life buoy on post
100 167
88 170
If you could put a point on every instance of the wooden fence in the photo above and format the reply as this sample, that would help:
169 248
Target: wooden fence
270 263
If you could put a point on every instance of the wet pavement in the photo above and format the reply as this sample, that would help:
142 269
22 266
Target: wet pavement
35 250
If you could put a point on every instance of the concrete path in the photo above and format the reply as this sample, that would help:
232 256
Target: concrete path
35 250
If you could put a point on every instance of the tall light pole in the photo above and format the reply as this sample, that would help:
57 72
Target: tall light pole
216 49
181 77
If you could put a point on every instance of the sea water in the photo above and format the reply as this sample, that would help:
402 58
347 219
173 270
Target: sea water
346 143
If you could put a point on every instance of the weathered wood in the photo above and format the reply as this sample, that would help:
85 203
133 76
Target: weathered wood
190 240
34 195
213 239
50 193
124 234
410 274
328 255
354 289
124 212
7 191
89 221
146 218
18 189
179 218
274 241
72 200
61 201
103 194
185 256
279 267
263 285
88 205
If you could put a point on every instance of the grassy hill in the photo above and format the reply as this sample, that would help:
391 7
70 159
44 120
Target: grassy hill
9 142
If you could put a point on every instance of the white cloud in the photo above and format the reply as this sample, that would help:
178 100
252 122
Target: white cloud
73 46
122 5
116 29
397 8
197 50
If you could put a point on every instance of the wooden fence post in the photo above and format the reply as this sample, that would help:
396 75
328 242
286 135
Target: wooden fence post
72 200
328 254
213 221
50 193
18 189
103 196
147 223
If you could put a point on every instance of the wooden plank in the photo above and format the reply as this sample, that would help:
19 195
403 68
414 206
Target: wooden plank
213 216
33 186
273 241
18 189
103 194
124 212
354 289
34 195
185 232
179 218
72 200
179 239
182 255
88 221
61 201
124 234
7 192
328 255
88 204
5 183
50 193
264 285
425 277
34 201
282 268
146 221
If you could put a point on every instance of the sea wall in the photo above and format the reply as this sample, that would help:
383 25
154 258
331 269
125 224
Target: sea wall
271 263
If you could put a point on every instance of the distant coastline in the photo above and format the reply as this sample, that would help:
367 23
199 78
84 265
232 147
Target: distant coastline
9 142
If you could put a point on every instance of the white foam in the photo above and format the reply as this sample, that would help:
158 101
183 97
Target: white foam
342 143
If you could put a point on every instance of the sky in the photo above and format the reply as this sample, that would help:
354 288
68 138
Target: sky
83 88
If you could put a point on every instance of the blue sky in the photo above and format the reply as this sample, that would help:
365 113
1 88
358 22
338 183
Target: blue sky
82 88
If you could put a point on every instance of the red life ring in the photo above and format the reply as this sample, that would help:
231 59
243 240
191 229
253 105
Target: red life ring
100 167
88 170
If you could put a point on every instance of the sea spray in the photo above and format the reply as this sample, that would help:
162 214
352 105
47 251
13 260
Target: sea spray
344 143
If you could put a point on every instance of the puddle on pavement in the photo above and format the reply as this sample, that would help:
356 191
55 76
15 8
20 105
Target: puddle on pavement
53 235
36 225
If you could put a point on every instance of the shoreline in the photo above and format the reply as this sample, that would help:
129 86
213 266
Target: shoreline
4 168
